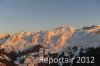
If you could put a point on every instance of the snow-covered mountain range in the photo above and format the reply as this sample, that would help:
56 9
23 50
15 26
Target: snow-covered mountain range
21 49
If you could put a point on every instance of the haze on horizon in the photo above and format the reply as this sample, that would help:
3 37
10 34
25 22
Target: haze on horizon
35 15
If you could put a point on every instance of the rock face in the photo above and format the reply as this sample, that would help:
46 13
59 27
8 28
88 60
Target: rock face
25 48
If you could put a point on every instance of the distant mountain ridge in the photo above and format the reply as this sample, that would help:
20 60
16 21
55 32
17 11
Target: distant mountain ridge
21 49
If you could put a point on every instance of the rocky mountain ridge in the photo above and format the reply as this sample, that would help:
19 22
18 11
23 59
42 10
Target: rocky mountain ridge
21 49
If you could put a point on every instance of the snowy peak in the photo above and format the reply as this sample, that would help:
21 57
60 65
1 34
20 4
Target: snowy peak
58 36
18 37
3 35
70 28
23 48
92 29
3 38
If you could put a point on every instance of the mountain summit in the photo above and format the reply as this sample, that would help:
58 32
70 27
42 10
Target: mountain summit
21 49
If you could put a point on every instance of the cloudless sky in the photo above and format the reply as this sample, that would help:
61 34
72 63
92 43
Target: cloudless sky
36 15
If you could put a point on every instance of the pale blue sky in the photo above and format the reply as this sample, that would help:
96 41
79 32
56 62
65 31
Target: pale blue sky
35 15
